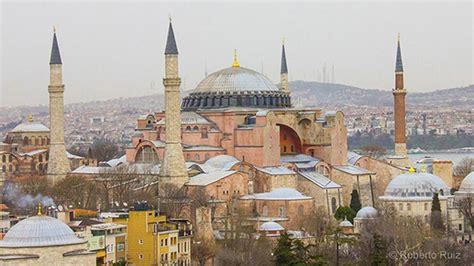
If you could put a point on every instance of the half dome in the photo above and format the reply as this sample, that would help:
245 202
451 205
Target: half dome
40 231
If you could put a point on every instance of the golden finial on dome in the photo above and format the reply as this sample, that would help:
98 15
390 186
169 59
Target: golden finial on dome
40 209
411 170
169 17
30 118
236 62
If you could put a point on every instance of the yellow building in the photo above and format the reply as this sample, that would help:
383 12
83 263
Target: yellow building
151 240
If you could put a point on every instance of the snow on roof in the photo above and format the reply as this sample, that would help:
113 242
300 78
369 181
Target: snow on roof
205 179
84 169
271 226
33 153
297 158
118 161
345 223
30 127
352 157
413 185
278 194
107 226
189 118
306 165
319 179
73 156
262 113
223 162
467 184
276 170
367 213
201 148
353 170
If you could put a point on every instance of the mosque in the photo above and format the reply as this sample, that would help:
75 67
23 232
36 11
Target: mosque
238 138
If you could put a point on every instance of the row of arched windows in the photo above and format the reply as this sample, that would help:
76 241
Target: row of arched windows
37 141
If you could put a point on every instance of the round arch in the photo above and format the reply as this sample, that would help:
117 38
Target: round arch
290 141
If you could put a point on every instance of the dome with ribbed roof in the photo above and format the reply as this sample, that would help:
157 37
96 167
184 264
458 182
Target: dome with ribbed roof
415 185
30 127
236 87
271 226
40 231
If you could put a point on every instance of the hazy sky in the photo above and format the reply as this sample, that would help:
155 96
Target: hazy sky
115 49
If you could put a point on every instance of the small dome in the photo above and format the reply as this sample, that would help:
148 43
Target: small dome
223 162
271 226
345 223
415 185
40 231
367 213
467 184
30 127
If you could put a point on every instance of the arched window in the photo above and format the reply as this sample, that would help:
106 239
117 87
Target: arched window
196 128
10 168
206 156
197 157
281 211
265 211
25 141
4 158
292 148
188 128
400 206
10 158
40 158
408 207
333 205
204 132
40 167
146 155
37 141
284 148
4 168
426 206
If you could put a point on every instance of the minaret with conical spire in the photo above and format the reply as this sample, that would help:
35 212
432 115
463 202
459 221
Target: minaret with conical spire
58 164
284 69
173 168
399 93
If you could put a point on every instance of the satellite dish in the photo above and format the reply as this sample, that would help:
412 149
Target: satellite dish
125 204
60 208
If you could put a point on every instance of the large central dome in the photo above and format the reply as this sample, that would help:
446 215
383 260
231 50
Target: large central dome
236 79
236 87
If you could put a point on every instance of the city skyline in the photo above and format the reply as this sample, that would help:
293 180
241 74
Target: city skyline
112 51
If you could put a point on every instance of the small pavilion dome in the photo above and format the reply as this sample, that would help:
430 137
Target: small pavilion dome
271 226
467 184
367 212
345 223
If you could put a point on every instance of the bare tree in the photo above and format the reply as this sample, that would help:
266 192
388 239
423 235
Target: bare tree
33 185
374 150
464 167
104 150
75 191
464 203
204 249
173 199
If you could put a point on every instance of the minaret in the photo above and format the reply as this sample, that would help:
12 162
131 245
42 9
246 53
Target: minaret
284 69
399 93
173 168
58 164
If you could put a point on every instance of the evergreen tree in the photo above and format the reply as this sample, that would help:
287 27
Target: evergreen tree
379 253
345 212
436 217
355 201
283 251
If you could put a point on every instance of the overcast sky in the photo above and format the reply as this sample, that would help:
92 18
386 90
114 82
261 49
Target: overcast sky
115 49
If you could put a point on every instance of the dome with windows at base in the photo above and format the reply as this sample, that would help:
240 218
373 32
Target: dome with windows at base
415 185
367 213
236 87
